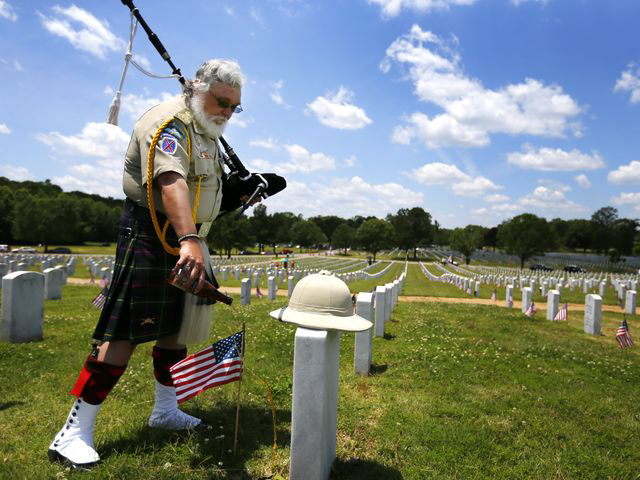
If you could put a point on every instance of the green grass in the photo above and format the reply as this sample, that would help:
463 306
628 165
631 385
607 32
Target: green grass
457 392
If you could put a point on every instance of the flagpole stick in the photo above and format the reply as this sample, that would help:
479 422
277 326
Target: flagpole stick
235 433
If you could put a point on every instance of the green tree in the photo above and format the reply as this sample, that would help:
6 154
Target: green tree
307 234
228 233
524 235
281 223
491 238
261 226
602 222
374 235
624 235
412 228
578 234
7 201
343 237
328 224
466 240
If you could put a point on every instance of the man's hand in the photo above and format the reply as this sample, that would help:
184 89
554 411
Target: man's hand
189 269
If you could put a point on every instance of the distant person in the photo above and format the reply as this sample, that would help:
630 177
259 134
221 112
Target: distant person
141 307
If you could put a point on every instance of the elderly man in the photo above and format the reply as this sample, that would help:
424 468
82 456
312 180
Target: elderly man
179 137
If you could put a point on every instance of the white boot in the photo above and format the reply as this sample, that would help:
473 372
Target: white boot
166 413
73 445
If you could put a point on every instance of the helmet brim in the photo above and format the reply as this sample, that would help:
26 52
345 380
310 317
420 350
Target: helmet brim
319 321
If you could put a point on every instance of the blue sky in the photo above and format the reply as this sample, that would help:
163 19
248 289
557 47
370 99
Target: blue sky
475 110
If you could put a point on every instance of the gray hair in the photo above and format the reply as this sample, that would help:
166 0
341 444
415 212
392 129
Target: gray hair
216 71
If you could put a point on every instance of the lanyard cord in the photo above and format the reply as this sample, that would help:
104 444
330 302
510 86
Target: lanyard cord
152 210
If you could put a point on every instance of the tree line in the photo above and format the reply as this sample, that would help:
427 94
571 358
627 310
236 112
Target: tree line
41 213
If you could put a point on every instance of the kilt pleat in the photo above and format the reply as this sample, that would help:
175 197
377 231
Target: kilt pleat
140 306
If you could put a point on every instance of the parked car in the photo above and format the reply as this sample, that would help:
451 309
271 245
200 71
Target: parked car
574 269
59 250
540 267
24 250
4 248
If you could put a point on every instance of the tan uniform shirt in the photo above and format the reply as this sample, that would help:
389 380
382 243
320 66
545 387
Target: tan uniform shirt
171 156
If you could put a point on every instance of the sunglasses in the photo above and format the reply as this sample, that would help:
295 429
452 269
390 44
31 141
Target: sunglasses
225 104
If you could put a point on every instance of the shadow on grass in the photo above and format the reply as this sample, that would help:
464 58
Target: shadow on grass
377 369
255 430
388 336
6 405
355 469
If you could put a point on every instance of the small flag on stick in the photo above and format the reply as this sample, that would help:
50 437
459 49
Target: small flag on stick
623 336
259 294
101 298
493 295
216 365
531 310
562 313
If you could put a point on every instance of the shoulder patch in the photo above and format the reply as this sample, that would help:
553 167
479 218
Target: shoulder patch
168 143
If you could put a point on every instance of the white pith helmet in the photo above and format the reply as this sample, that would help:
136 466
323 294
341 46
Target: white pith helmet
322 301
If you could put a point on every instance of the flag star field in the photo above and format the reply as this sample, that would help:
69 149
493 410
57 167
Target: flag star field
475 110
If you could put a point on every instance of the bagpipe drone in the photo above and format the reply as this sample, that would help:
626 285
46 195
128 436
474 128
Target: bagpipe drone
240 188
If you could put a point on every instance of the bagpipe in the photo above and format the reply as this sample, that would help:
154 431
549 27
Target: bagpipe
240 188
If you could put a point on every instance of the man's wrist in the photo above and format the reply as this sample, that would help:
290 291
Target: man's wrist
188 236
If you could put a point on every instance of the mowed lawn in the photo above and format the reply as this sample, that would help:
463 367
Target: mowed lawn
456 392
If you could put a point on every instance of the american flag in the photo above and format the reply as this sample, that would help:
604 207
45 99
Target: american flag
531 310
623 336
259 294
215 365
99 300
562 313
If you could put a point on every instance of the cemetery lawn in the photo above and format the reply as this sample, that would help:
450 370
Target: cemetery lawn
457 392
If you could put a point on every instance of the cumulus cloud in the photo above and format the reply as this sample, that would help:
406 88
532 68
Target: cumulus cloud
583 180
338 111
547 198
470 111
135 105
625 173
276 94
555 159
13 172
391 8
496 197
6 11
627 199
345 197
300 160
462 184
4 130
629 81
268 143
517 3
101 147
84 31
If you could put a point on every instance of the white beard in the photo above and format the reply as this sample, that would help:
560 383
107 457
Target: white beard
213 125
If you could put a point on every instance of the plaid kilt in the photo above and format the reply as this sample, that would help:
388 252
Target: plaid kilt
141 306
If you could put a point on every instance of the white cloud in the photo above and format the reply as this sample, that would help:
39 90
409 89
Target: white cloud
4 130
84 31
583 180
268 143
517 3
276 94
462 184
391 8
351 161
102 147
18 174
627 199
471 112
549 199
438 173
135 105
496 197
626 173
555 159
18 66
303 161
338 111
6 11
629 81
229 11
344 197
